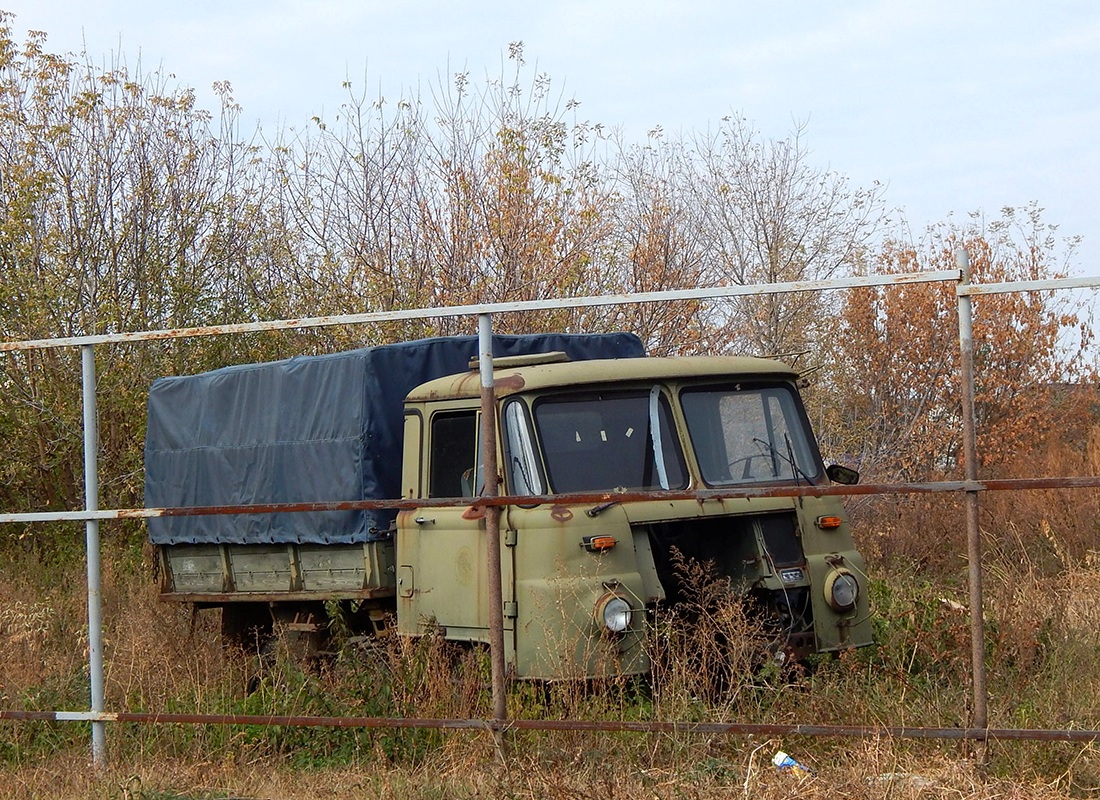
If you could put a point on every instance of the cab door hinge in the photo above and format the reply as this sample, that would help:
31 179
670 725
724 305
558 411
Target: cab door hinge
510 537
511 609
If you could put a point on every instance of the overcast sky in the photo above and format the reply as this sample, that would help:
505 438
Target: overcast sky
956 106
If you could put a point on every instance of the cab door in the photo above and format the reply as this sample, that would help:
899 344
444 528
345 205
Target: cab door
442 553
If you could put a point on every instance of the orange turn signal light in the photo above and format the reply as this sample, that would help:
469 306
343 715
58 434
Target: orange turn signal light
828 523
598 544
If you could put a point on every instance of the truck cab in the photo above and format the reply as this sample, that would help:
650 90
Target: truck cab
582 581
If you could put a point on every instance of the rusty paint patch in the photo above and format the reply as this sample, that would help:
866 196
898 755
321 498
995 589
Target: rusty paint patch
561 514
512 383
474 512
468 385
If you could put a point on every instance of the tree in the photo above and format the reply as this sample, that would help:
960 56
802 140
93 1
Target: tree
657 245
485 194
519 210
772 217
897 381
120 210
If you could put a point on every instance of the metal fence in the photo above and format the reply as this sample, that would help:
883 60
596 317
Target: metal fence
91 515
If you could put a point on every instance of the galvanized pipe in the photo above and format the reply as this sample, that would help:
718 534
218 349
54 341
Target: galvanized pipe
91 531
492 516
634 298
970 465
1012 287
673 295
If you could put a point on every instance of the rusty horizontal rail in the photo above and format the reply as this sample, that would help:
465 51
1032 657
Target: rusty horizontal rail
595 726
576 498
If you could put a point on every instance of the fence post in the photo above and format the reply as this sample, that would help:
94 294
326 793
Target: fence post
970 464
91 533
492 515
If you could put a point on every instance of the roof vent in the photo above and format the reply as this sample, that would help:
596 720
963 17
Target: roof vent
529 360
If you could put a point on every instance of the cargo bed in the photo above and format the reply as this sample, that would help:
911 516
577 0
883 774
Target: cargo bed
220 573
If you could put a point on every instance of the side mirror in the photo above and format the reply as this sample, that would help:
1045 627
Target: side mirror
841 474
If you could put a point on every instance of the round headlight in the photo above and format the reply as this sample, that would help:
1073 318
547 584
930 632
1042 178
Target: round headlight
841 591
614 613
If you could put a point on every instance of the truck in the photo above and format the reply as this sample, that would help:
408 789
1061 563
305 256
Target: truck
618 468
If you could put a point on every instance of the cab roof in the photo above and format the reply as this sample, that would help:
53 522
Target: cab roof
535 377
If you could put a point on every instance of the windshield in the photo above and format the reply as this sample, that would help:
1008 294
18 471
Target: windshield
613 440
744 433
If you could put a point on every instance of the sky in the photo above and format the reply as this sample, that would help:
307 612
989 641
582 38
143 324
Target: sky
956 106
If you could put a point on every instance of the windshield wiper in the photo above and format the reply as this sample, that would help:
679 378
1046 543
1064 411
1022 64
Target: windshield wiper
787 457
602 507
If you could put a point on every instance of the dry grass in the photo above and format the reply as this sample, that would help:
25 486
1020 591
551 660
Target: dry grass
868 770
1043 626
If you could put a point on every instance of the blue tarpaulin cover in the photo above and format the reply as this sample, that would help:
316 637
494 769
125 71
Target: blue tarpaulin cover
307 429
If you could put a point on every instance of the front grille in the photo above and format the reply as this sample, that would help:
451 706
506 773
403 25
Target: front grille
780 535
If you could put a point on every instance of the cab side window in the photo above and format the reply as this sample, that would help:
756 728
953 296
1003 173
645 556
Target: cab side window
455 469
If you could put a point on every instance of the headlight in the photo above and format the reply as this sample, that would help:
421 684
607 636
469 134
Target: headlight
841 590
613 613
